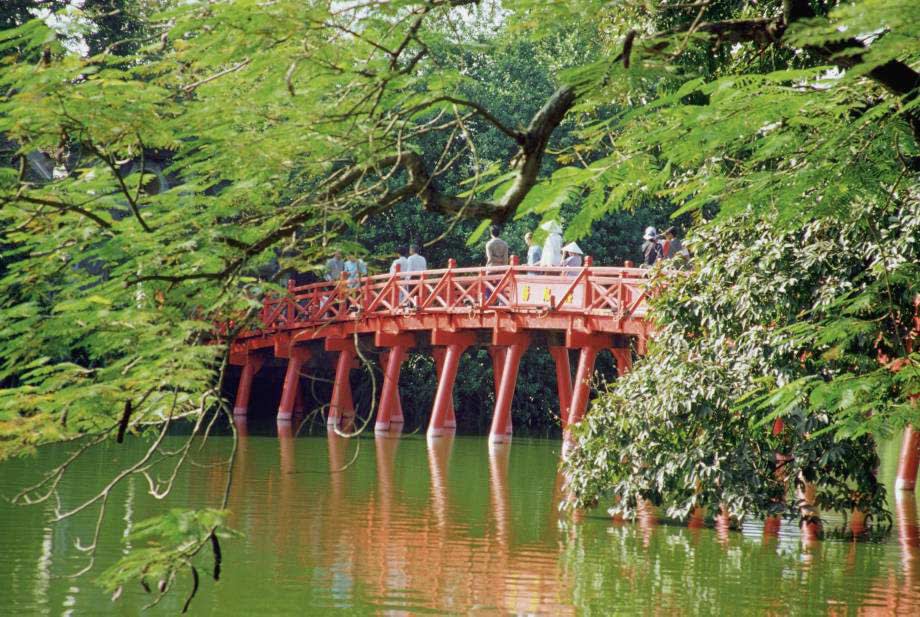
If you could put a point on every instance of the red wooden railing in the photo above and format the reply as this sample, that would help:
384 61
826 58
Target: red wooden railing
588 290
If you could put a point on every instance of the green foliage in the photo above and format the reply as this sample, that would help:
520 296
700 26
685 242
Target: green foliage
804 287
755 333
171 541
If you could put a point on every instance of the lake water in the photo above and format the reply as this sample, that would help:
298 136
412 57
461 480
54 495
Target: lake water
409 529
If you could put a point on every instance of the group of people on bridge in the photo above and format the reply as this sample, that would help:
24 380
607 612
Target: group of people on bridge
552 253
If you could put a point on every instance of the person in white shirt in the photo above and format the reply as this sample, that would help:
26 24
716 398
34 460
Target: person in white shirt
400 261
552 247
415 262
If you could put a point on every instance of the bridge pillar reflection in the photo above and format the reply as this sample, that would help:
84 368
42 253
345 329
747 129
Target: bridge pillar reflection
499 455
298 357
438 457
244 389
516 344
455 343
342 407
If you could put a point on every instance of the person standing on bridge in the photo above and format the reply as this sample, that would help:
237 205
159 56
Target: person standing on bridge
401 263
415 262
672 247
651 248
335 267
534 252
496 248
551 255
572 257
355 268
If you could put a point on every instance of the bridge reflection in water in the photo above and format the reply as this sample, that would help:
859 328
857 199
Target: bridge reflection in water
404 546
402 526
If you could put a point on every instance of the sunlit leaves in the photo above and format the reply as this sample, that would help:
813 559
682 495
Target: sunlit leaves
770 324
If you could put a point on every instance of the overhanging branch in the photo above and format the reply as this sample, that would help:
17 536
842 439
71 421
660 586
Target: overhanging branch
895 76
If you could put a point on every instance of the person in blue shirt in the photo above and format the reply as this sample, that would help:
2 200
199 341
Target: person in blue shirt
534 252
355 269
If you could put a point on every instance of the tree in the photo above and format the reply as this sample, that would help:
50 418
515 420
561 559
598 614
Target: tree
753 335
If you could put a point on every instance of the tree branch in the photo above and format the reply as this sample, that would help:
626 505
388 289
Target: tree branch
895 76
65 207
192 86
517 136
420 182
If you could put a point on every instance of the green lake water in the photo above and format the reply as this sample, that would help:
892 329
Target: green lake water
456 528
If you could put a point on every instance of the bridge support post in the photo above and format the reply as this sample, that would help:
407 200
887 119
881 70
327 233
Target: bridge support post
443 398
342 407
389 411
582 387
909 460
244 389
298 356
501 418
454 344
450 419
498 363
563 381
623 357
300 406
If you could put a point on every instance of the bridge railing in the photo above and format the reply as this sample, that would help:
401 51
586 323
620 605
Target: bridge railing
588 290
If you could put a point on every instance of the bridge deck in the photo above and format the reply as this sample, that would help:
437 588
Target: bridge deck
506 308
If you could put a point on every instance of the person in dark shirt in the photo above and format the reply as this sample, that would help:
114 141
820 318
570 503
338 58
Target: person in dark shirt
672 247
651 248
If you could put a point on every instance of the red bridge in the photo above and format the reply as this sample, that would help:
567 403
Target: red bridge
507 309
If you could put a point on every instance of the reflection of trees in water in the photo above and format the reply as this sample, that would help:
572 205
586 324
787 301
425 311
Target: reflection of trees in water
455 528
693 571
390 545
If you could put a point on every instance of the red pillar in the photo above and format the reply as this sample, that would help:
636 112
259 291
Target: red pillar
299 355
501 418
342 408
623 357
498 362
444 395
244 390
909 460
390 408
582 386
563 381
300 406
450 420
